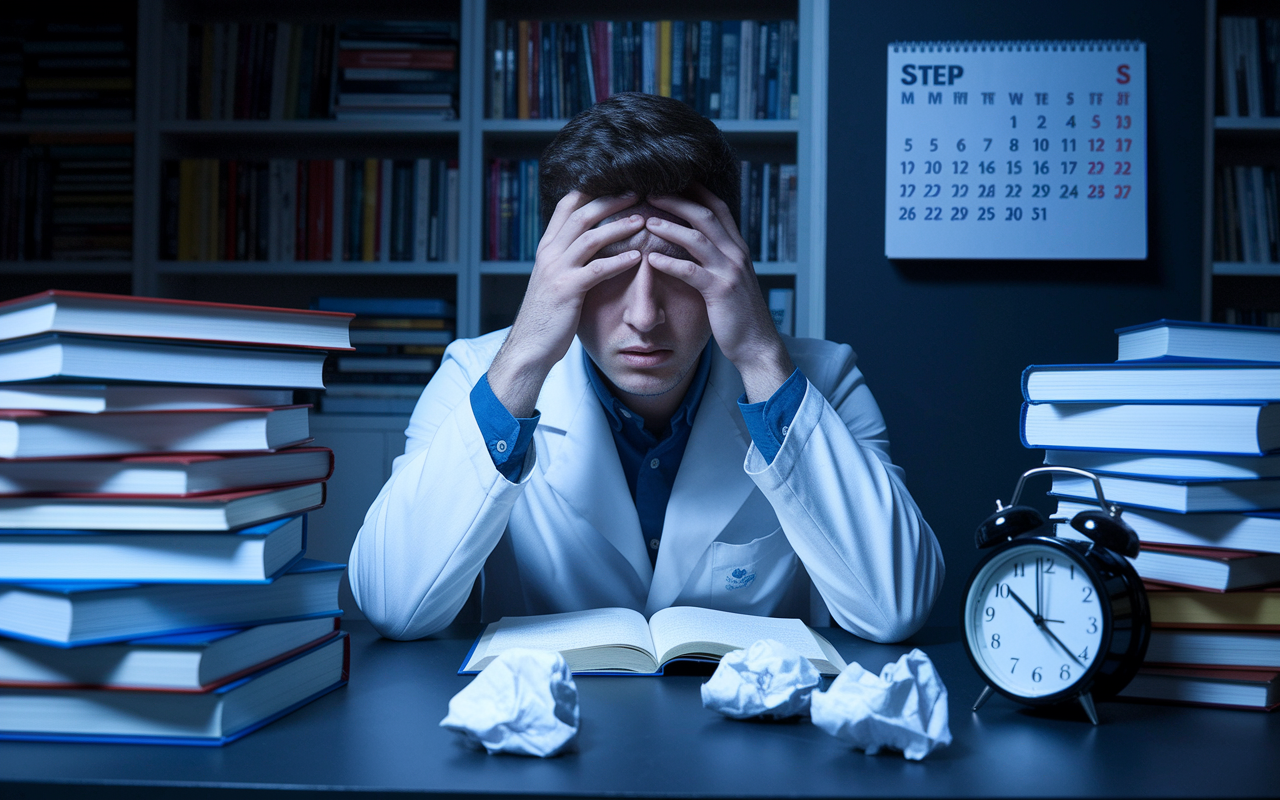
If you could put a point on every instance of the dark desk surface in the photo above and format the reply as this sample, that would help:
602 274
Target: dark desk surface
651 737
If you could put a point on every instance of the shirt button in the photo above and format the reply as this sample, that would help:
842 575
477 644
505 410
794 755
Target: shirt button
784 429
653 544
624 413
501 446
654 465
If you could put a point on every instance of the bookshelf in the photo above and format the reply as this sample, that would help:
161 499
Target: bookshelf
486 292
1239 286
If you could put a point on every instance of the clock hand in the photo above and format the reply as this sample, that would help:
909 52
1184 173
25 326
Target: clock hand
1039 621
1060 644
1038 604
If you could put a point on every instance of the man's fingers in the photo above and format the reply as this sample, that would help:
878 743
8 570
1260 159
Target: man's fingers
584 218
697 243
685 270
587 244
602 269
722 212
568 204
702 218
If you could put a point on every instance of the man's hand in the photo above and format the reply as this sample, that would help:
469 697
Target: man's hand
722 273
564 270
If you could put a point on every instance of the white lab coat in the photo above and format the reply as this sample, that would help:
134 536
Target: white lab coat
830 512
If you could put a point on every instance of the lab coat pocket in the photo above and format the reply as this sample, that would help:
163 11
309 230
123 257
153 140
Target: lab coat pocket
751 578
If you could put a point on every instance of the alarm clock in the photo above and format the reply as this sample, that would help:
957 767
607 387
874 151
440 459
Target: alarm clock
1050 620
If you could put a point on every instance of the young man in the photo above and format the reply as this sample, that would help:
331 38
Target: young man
642 436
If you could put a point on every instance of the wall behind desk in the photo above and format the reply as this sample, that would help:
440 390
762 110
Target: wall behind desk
943 344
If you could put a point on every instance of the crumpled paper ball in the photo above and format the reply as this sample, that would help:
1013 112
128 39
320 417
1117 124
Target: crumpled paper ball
768 679
904 708
524 702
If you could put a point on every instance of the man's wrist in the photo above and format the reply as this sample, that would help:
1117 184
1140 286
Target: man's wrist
767 370
516 381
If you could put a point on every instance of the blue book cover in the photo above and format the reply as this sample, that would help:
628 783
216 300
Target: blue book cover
180 698
1163 380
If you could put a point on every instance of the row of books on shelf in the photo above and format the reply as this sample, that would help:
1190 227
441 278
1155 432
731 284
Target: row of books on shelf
1260 317
726 69
310 210
768 211
398 343
154 489
1246 214
66 71
288 70
1248 66
66 197
1182 432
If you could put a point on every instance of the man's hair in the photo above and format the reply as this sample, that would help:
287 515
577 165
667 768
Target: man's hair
643 143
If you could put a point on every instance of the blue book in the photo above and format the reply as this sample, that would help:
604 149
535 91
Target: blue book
1162 381
1177 496
1167 337
211 718
256 554
73 614
1223 428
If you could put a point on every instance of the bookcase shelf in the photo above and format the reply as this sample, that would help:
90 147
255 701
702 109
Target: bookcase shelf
1242 153
472 140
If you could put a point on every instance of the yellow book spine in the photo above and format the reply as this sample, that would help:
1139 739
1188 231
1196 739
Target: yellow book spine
369 219
186 209
664 58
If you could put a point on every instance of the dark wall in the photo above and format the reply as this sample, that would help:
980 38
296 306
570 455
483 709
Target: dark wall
943 344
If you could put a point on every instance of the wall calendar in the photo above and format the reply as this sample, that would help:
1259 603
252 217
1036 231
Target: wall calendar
1029 150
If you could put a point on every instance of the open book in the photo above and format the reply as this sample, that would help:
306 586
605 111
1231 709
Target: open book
620 640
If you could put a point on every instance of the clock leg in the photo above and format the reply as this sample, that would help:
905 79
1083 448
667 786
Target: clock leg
982 698
1086 701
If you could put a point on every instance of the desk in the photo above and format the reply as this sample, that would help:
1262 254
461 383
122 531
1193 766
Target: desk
651 737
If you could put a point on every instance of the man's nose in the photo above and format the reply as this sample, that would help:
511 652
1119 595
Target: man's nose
644 309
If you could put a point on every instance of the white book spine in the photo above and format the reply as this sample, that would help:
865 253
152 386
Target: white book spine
280 69
746 71
765 220
421 207
788 212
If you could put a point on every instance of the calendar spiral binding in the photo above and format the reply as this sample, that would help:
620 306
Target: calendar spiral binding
1023 46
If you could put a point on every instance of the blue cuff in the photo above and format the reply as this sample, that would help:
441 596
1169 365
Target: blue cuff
506 436
767 422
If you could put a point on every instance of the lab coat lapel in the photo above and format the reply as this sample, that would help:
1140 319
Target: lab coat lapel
584 468
710 486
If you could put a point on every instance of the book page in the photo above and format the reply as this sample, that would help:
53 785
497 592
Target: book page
571 630
689 630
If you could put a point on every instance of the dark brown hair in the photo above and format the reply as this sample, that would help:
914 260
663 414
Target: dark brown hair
644 143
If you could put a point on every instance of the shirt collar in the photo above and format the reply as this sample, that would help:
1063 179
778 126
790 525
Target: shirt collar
619 414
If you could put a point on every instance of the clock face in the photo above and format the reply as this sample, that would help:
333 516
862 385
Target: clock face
1034 620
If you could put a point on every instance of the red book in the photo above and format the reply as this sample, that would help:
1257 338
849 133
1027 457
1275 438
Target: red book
45 434
326 208
428 58
227 511
114 315
1208 568
170 475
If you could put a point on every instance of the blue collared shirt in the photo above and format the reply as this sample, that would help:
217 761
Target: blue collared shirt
650 464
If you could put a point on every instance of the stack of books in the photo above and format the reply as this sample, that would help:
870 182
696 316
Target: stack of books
397 68
154 484
1183 431
78 72
398 342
